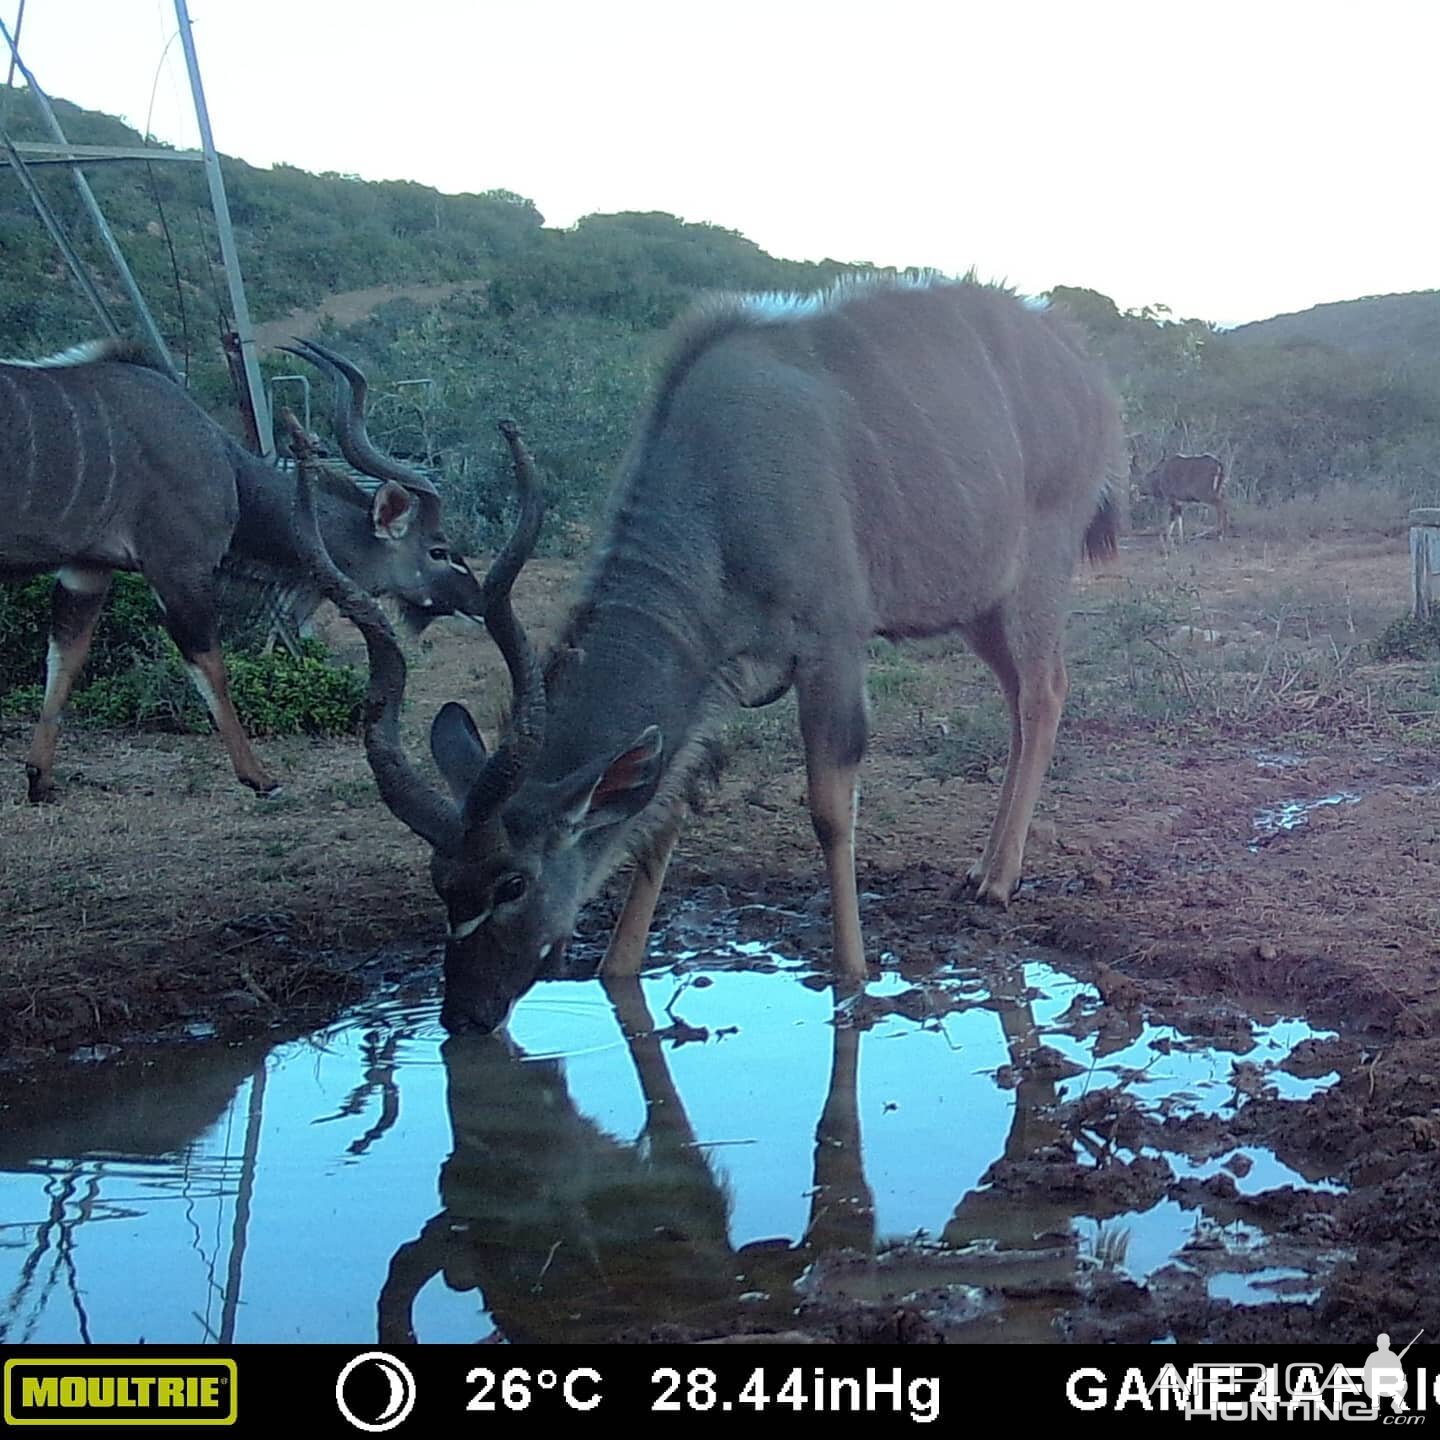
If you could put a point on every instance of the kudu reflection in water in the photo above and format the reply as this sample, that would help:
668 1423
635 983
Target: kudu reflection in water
572 1235
567 1232
111 1115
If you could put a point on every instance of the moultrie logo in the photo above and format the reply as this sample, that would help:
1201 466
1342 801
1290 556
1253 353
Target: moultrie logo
375 1392
119 1391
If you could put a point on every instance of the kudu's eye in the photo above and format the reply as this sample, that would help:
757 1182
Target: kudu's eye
439 552
510 889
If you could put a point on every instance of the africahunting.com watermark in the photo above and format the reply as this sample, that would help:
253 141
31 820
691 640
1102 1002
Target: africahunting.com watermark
1380 1389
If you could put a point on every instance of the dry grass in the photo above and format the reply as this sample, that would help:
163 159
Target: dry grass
1344 507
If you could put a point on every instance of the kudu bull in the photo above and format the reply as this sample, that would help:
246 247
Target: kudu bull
893 459
108 465
1179 478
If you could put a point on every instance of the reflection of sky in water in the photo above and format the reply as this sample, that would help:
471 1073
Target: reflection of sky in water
328 1210
754 1097
325 1225
1256 1287
1162 1063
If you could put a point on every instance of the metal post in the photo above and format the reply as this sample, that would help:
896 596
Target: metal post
19 26
303 381
87 197
1424 561
243 328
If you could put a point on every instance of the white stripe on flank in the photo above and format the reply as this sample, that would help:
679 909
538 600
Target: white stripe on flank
78 483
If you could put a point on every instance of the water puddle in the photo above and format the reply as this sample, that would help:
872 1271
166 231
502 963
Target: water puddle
713 1146
1291 814
1278 759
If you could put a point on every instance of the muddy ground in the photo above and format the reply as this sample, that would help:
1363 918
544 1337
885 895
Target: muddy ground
1211 688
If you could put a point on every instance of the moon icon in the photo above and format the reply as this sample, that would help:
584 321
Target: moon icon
401 1400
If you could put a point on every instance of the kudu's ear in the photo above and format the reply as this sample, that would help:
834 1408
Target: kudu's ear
623 787
458 749
392 508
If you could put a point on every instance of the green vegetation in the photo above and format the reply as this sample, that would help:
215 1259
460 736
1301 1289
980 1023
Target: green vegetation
562 329
1407 638
1292 418
1326 420
134 676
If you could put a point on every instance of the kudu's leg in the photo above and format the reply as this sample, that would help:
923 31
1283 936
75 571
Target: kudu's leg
834 728
626 952
75 606
1036 680
842 1203
987 639
190 619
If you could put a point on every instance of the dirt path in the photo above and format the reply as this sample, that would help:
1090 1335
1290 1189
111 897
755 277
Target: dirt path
350 307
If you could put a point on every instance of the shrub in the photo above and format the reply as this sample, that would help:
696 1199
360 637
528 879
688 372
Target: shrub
128 626
1406 638
284 694
134 677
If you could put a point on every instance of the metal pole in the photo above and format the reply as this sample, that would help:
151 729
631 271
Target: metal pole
58 235
19 26
87 197
221 206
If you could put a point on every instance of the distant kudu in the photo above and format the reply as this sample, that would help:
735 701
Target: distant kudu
108 465
1179 478
896 459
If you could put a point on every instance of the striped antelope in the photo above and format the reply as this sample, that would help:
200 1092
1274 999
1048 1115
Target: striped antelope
1179 478
108 465
896 459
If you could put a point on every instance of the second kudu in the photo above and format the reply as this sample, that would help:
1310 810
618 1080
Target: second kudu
1178 478
895 459
108 465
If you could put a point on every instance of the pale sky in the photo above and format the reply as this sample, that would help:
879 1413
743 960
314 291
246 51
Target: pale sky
1230 160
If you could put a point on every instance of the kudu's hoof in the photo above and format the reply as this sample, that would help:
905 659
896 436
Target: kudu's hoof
996 895
40 788
985 891
263 786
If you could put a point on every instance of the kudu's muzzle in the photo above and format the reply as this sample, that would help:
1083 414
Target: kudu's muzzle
481 989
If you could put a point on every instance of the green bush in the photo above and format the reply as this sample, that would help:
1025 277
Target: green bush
128 625
1406 638
134 677
283 694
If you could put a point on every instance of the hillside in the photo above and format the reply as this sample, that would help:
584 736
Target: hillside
1399 326
561 329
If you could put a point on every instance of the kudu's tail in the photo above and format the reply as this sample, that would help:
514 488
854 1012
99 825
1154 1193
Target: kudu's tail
1102 537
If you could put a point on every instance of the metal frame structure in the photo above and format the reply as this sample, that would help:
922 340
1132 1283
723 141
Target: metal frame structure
62 152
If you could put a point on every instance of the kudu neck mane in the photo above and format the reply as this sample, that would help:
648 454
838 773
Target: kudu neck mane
635 652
